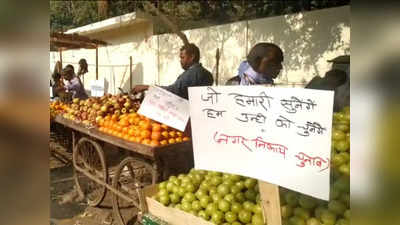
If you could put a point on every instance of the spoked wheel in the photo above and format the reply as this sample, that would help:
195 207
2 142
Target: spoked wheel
88 156
131 174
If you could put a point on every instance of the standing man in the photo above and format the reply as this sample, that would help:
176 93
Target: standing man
194 75
263 65
83 68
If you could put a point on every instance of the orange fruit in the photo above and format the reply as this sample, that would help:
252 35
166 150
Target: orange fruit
154 143
171 141
131 132
118 128
186 139
136 121
138 139
101 122
179 134
163 126
156 127
114 117
141 123
145 134
146 141
120 135
108 117
178 140
172 134
114 133
133 139
126 137
156 135
101 129
165 134
144 125
124 122
163 142
125 130
131 121
136 133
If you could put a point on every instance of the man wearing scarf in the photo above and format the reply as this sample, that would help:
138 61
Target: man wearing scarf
263 65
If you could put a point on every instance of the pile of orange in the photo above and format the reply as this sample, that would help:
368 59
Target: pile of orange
140 129
58 106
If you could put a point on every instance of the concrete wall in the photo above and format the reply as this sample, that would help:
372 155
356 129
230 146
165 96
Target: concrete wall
307 39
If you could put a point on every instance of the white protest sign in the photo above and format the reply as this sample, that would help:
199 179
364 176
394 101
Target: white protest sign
165 107
97 88
278 135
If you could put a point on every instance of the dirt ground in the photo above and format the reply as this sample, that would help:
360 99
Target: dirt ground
65 206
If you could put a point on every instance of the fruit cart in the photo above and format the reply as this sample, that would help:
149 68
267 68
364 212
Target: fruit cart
142 165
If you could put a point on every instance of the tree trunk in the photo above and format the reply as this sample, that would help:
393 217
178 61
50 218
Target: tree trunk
102 9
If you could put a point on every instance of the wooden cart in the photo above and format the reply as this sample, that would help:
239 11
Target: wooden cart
141 166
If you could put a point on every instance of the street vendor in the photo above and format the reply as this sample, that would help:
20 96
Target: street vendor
74 84
262 66
194 73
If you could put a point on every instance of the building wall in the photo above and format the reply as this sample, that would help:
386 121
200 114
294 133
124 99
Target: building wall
307 39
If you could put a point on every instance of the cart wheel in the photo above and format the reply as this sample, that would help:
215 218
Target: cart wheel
88 155
131 174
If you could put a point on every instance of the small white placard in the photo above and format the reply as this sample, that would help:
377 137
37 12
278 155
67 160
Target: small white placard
278 135
165 107
97 88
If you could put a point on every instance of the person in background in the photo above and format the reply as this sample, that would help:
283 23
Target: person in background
74 84
263 65
83 68
332 79
336 79
57 85
194 73
56 82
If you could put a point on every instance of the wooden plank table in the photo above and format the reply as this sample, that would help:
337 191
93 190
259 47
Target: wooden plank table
152 152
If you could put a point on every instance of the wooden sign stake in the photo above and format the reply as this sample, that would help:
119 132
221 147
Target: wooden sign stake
97 63
130 73
270 202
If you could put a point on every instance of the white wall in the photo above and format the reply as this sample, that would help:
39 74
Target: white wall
307 39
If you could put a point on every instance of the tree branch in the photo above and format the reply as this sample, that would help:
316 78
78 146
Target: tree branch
168 22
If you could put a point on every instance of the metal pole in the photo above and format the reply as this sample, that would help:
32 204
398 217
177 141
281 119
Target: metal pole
130 73
97 63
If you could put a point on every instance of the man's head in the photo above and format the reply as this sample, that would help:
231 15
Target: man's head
189 54
68 72
266 58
